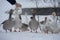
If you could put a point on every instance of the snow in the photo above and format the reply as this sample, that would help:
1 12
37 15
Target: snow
28 36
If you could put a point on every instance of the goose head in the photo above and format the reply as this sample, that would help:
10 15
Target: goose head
18 11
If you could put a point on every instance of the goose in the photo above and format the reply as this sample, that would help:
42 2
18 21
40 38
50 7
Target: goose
53 26
8 24
17 13
33 24
13 23
45 25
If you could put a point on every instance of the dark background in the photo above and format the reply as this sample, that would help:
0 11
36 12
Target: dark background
42 11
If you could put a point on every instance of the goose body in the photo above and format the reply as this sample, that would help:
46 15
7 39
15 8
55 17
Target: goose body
8 24
33 24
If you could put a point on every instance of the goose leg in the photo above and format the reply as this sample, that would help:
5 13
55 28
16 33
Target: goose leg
19 29
15 31
10 30
6 30
36 31
31 30
46 31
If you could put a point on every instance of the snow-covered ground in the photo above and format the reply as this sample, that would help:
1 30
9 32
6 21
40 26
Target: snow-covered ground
28 36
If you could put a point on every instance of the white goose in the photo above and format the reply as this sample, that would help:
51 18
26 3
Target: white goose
53 26
17 13
45 25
